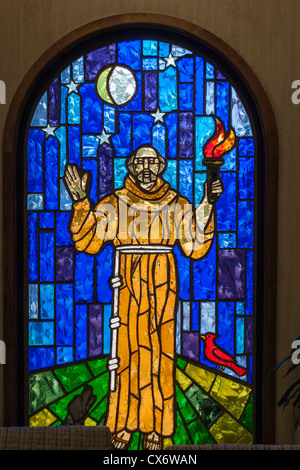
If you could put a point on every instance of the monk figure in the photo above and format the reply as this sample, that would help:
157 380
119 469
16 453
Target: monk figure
143 221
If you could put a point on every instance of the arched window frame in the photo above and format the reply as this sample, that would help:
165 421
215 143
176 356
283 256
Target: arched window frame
14 204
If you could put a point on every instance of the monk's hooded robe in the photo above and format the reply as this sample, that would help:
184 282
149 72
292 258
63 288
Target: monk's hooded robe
145 382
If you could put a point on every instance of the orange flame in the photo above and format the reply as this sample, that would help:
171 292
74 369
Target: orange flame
220 143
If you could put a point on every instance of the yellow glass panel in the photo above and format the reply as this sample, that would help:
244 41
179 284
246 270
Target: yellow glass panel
227 430
182 379
90 422
42 418
232 395
201 376
167 442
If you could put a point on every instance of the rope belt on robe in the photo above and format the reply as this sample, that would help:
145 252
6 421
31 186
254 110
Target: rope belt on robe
116 283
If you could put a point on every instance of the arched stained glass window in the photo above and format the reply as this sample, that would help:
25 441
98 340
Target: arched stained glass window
141 195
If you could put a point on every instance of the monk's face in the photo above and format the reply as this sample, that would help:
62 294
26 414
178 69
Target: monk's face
146 166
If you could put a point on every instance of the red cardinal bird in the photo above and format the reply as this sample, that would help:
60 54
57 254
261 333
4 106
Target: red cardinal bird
216 355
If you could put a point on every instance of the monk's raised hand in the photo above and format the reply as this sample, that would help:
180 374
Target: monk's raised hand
76 184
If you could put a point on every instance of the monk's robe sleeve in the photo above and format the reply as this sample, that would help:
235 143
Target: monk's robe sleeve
91 227
195 228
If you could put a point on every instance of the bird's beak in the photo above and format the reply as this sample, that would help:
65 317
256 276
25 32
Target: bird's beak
202 337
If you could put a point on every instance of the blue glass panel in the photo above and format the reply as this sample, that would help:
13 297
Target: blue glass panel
81 332
149 47
136 103
35 160
186 135
168 89
150 86
84 277
104 271
210 98
95 330
150 63
39 358
33 301
186 179
40 115
249 283
250 369
129 53
200 179
229 161
178 329
240 331
74 106
62 137
239 118
66 75
106 329
98 59
226 205
105 170
170 173
204 129
46 257
246 178
90 145
32 247
186 96
109 119
171 122
227 240
53 102
63 102
222 102
231 269
226 326
240 308
178 51
65 200
204 272
142 124
195 316
92 166
51 173
159 139
183 264
246 220
210 70
122 140
186 69
64 314
120 172
78 70
64 263
199 108
164 49
246 147
62 229
208 317
91 109
74 145
35 202
186 315
220 76
64 354
41 333
47 301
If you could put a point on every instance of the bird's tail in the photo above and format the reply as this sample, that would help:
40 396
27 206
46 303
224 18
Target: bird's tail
237 369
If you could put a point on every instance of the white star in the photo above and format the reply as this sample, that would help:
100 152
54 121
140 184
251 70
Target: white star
72 87
49 130
158 116
170 60
104 137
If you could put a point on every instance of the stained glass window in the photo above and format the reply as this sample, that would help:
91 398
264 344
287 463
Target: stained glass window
183 367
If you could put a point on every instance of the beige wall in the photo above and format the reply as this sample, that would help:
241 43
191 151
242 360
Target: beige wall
265 33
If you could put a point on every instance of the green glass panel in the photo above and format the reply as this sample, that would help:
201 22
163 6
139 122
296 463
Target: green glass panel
98 366
134 444
181 363
73 376
208 410
181 436
247 416
199 434
99 410
187 411
60 407
44 388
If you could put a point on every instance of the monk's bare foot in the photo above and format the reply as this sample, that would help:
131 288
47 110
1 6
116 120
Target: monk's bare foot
120 440
152 441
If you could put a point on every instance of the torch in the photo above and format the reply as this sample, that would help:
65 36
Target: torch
214 150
